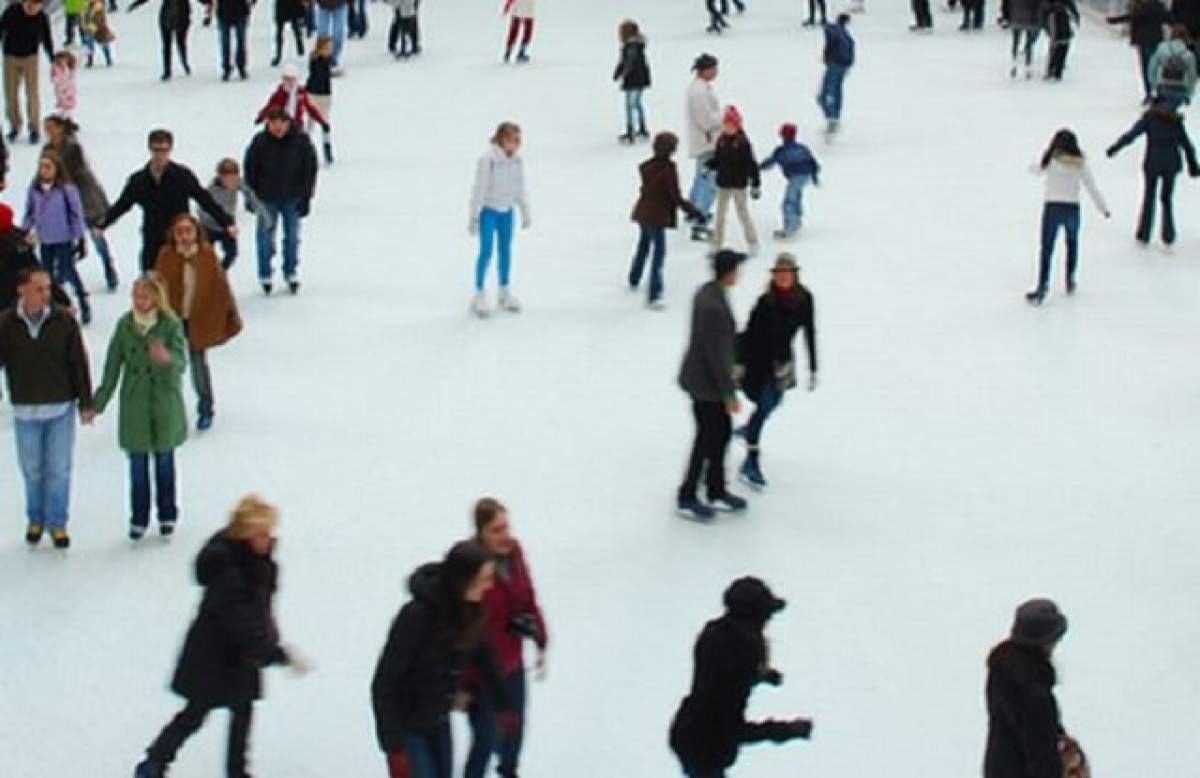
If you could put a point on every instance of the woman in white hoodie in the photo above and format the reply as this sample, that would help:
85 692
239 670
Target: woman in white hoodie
1064 170
499 189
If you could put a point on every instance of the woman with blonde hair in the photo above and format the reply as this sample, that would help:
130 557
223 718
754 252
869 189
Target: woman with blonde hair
147 355
232 638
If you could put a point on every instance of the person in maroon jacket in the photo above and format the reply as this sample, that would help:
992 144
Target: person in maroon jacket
512 614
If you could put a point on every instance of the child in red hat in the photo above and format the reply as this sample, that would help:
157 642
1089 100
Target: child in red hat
799 167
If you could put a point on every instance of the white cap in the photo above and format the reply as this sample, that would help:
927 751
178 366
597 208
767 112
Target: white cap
291 71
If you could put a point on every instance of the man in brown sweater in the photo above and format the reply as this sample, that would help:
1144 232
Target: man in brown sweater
43 355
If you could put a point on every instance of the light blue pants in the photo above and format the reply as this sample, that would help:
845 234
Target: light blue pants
45 450
704 185
793 203
493 225
332 23
635 113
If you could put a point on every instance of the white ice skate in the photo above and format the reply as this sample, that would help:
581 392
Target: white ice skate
508 302
480 307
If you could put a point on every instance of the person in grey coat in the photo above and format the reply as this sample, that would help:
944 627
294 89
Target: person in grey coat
707 376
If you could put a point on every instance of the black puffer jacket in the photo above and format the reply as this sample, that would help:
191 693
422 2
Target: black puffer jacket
281 170
234 634
766 344
420 671
734 162
633 71
1023 720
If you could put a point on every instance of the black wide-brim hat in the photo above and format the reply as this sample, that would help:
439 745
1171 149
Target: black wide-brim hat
749 597
1038 622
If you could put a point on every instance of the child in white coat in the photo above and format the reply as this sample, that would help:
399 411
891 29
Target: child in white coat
499 190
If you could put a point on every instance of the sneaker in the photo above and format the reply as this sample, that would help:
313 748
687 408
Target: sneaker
1035 297
691 508
60 537
149 769
33 534
205 422
266 287
509 302
752 475
727 502
136 532
166 528
479 306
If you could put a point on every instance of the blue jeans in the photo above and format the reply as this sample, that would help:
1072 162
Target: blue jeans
1054 216
332 23
793 203
769 399
830 98
272 213
45 449
650 238
634 110
430 755
89 42
485 737
102 251
59 260
704 185
237 31
493 225
164 486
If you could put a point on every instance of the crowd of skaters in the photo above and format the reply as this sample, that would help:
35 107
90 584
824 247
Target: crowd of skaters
458 644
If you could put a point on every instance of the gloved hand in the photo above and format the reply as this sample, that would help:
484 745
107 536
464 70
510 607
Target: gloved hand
1194 170
755 193
771 677
783 731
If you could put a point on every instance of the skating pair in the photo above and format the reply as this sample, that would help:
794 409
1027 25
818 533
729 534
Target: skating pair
506 301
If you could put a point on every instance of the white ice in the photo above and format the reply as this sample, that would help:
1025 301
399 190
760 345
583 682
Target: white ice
963 451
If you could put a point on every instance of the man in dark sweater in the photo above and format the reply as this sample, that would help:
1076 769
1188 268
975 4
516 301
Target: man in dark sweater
707 375
23 27
163 189
43 355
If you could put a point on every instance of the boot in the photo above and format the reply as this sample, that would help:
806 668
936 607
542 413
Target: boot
327 146
33 533
508 302
479 306
522 56
627 138
149 769
62 540
751 473
1035 296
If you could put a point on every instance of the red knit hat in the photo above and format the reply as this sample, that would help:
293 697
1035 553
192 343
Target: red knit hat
788 131
732 116
6 218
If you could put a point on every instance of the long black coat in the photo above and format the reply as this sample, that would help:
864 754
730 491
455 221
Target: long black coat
1167 142
633 70
766 343
1023 719
710 724
280 170
234 634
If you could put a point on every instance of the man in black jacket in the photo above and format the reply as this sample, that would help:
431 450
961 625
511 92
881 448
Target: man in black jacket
163 189
730 660
707 375
23 27
281 169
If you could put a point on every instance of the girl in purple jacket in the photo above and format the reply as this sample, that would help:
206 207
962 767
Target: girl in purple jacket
54 221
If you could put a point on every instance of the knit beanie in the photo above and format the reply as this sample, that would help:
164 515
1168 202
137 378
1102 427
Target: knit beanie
788 131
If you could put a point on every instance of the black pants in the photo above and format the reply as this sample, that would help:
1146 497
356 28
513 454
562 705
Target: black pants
297 30
972 15
921 11
741 6
1162 184
1058 58
716 20
189 720
179 35
1030 40
404 34
1144 55
713 429
813 5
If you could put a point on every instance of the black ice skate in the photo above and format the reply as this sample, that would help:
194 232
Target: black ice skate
1035 297
693 509
751 474
727 502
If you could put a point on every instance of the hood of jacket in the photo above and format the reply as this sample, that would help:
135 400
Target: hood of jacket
217 556
423 583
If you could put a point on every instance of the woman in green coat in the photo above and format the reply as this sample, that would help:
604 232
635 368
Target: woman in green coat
147 355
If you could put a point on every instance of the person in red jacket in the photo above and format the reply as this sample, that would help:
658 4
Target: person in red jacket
293 98
512 614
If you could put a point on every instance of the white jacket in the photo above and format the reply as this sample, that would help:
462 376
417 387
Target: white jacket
499 184
523 8
1063 177
703 117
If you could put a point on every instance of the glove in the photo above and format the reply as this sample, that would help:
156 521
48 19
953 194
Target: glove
755 193
783 731
1194 171
305 207
473 227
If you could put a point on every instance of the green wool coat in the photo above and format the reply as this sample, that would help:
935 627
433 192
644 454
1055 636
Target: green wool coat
151 416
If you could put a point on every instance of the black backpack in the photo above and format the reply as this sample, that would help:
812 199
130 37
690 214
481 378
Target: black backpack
1172 75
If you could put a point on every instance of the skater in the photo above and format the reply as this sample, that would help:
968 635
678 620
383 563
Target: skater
654 214
404 39
233 637
1025 733
289 13
198 290
1173 69
521 24
717 21
147 356
174 20
66 91
704 126
707 376
736 169
281 170
1146 19
72 15
1058 20
49 381
320 90
23 27
1025 25
731 657
163 189
633 71
813 7
1166 141
974 12
1064 169
838 57
923 19
96 30
331 23
17 255
499 190
293 99
54 220
417 680
766 361
225 188
61 138
800 168
511 616
233 17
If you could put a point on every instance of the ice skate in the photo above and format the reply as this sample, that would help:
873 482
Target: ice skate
205 422
293 285
727 502
136 532
784 234
1035 296
643 133
62 541
266 288
480 307
508 302
33 534
166 528
691 508
656 304
627 139
751 475
1071 286
149 769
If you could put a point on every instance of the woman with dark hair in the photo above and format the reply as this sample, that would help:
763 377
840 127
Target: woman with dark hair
418 679
54 222
765 356
1064 170
1146 19
1166 141
512 616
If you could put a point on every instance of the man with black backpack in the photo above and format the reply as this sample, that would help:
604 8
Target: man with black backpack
1172 69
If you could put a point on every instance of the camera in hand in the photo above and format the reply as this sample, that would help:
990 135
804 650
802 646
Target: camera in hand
524 624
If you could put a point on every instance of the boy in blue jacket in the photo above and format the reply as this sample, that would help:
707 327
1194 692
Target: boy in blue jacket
799 166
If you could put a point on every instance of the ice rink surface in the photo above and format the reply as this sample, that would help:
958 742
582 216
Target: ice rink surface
963 451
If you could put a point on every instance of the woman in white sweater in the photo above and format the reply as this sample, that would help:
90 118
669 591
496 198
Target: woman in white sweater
1064 170
499 189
